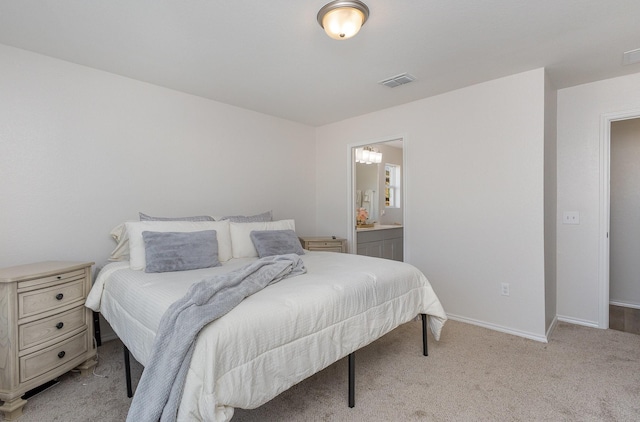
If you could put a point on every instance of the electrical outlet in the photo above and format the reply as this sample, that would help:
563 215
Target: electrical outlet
571 217
504 289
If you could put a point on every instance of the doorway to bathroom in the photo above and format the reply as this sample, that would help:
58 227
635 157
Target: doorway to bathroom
377 198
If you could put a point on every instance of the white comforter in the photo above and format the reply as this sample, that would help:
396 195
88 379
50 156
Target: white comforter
275 338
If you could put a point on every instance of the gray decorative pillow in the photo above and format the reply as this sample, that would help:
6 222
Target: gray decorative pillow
180 251
265 216
276 242
145 217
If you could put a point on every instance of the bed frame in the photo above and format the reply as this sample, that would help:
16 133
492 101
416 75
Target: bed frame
351 358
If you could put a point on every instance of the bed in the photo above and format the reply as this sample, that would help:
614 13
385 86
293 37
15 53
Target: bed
276 337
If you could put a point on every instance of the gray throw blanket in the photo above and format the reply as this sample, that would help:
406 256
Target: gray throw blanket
159 391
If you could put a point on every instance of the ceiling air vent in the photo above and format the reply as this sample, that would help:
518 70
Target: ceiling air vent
631 57
398 80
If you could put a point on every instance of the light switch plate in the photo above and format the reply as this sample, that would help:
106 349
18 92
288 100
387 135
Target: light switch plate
571 217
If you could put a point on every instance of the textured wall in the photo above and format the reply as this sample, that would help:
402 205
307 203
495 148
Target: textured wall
474 203
83 150
581 152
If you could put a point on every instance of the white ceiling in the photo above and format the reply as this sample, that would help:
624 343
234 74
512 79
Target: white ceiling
273 57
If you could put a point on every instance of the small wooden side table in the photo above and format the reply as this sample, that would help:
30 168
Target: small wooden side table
324 243
45 329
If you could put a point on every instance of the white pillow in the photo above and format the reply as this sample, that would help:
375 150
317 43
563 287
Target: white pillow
121 252
120 235
137 259
241 242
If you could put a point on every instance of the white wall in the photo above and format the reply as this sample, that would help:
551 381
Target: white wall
82 150
580 110
474 213
625 213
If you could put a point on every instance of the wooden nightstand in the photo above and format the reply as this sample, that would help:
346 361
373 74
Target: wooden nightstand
324 243
45 329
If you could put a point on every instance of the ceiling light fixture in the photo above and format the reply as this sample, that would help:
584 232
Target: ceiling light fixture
342 19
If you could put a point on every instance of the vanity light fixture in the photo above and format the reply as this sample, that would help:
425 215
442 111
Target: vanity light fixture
368 155
343 19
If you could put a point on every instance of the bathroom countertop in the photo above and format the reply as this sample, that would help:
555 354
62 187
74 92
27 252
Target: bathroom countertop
379 227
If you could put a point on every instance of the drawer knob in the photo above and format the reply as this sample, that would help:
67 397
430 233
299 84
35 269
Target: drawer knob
59 296
59 325
61 354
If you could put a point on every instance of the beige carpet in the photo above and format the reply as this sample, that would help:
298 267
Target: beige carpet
472 374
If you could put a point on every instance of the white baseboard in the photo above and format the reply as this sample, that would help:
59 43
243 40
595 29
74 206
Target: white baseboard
624 304
577 321
499 328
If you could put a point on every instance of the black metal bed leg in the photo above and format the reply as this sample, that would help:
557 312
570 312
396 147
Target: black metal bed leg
425 350
352 379
127 371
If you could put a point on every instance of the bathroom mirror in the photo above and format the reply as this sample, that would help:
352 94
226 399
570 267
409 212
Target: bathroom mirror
378 186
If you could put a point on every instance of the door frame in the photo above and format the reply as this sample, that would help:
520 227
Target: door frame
605 208
352 240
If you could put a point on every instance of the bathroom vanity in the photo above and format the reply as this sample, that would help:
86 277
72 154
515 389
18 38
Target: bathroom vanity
381 241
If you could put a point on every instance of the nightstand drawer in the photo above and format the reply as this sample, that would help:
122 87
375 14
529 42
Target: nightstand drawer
326 249
325 245
43 300
51 279
48 359
43 330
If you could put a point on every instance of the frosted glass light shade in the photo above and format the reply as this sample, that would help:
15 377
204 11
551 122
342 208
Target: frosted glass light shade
367 155
342 20
342 23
